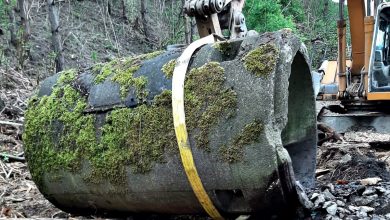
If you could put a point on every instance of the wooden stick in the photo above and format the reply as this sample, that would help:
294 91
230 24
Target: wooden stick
320 172
328 130
11 123
12 157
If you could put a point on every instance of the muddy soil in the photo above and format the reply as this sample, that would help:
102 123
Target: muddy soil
352 161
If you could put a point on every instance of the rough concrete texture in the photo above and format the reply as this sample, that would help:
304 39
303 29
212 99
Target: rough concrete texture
261 182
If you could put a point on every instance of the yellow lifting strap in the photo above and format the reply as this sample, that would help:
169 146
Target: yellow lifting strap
187 158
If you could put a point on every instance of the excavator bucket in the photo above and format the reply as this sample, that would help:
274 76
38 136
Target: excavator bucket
102 140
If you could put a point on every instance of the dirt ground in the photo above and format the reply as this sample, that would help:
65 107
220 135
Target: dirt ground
19 197
343 166
353 179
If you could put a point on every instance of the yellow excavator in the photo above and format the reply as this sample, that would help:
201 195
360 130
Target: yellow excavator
361 83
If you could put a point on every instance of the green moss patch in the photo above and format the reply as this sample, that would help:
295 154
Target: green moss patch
67 76
149 56
103 71
168 69
56 129
234 151
127 81
207 101
137 137
223 47
262 60
122 72
60 136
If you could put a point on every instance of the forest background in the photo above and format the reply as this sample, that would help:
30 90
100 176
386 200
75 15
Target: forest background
42 37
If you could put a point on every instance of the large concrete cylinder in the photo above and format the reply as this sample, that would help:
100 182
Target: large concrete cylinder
102 140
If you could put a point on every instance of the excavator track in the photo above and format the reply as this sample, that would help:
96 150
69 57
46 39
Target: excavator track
355 116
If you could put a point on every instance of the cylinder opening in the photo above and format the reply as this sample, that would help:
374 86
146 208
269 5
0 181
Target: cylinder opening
299 136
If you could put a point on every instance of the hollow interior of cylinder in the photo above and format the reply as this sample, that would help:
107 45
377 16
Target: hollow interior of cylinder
300 135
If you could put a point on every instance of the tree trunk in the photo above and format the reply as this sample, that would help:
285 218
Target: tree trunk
187 23
23 4
12 24
144 20
187 30
109 9
56 37
124 14
326 9
193 29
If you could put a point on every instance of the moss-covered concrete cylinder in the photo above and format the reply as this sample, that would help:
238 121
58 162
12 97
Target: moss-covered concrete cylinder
102 140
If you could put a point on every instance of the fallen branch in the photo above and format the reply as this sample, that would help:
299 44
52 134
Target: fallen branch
6 137
330 133
11 123
320 172
12 158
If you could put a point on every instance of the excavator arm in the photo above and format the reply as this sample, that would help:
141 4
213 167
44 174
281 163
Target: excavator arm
213 16
356 12
353 82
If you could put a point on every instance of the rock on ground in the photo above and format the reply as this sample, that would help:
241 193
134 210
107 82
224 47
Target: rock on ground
356 182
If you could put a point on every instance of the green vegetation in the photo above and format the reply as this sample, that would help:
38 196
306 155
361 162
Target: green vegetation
313 21
168 69
262 60
123 66
137 137
295 10
266 16
61 136
4 8
103 71
223 47
151 55
234 152
57 131
67 77
207 101
126 81
122 72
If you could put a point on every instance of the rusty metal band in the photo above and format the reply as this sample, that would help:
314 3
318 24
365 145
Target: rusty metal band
187 158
